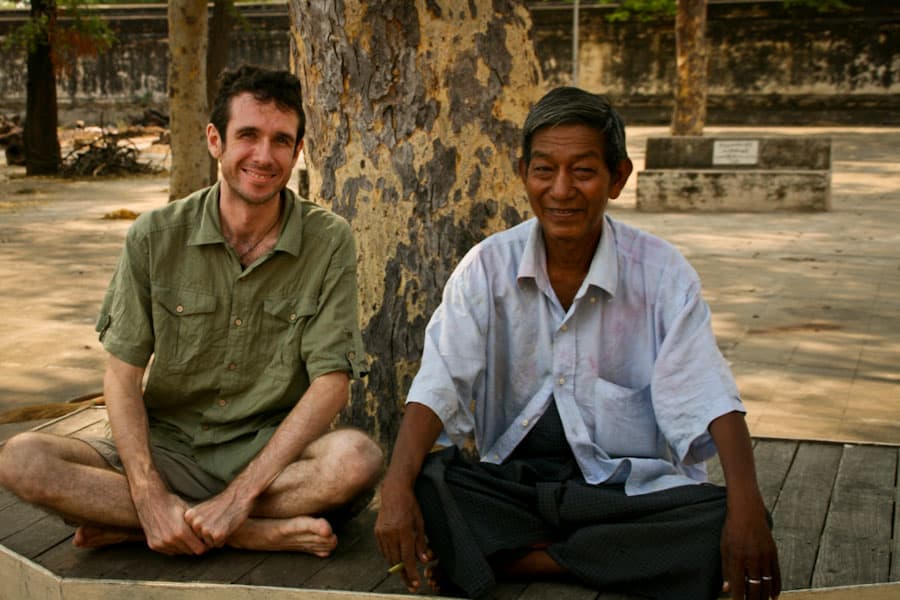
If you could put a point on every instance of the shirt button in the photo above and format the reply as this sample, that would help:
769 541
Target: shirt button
351 355
593 299
232 366
238 322
562 381
293 317
223 402
564 328
179 309
524 422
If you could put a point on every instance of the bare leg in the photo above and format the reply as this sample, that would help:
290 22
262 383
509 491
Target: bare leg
333 471
68 477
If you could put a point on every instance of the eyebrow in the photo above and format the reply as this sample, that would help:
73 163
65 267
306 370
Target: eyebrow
588 154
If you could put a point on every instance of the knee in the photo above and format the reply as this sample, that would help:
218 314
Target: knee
359 461
23 462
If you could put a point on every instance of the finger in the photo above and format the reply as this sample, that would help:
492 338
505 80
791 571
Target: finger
408 558
775 569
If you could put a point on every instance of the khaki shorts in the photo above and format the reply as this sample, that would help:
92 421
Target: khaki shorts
183 476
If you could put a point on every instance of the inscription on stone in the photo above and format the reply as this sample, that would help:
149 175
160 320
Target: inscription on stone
735 152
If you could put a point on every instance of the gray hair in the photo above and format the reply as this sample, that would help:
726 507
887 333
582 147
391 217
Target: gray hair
573 106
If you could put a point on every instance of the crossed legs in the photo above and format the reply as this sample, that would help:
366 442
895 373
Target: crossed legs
70 478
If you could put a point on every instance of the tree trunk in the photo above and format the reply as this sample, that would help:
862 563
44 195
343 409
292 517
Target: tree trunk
414 113
691 51
188 114
40 137
220 26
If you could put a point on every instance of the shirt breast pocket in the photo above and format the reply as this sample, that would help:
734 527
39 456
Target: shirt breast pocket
284 322
625 424
186 326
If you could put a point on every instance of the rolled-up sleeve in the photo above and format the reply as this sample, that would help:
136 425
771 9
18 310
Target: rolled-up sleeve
331 340
125 324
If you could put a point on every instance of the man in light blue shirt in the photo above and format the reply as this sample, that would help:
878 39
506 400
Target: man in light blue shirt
576 354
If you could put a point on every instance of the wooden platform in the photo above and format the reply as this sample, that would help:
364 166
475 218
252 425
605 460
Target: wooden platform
834 507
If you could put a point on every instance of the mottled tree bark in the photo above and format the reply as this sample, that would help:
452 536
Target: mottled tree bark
41 141
414 113
691 57
188 113
220 25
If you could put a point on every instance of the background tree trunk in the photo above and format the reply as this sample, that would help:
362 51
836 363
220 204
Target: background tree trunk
691 51
414 114
220 26
188 114
41 141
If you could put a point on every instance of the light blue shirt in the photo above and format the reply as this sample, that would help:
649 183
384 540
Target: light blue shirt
632 365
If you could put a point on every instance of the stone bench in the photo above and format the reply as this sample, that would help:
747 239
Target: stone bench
752 174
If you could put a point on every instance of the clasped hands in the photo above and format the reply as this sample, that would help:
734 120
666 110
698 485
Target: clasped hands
174 527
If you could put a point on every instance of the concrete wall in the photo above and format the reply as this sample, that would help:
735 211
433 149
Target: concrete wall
768 64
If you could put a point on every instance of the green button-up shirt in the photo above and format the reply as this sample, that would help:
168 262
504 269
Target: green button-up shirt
233 349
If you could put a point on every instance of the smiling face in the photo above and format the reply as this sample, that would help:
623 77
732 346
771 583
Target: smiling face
259 150
569 185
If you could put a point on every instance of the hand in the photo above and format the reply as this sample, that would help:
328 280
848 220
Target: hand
161 514
214 520
400 531
749 556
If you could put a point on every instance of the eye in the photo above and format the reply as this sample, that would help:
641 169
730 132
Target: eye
284 140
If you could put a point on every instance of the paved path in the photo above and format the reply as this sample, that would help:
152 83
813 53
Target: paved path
805 304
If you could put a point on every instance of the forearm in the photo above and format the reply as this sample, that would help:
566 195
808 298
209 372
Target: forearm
128 421
306 422
418 431
732 439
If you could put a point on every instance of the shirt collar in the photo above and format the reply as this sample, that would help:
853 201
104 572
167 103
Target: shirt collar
604 270
210 231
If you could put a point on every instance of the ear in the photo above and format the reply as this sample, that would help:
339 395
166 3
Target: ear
214 141
297 151
620 177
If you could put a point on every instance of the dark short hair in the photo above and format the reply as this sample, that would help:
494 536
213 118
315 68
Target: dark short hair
574 106
266 85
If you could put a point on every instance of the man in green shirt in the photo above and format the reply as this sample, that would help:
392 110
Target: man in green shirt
245 297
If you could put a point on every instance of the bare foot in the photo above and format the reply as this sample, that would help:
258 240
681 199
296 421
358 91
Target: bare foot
298 534
91 536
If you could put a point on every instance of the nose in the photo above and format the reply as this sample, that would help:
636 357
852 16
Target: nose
262 151
561 187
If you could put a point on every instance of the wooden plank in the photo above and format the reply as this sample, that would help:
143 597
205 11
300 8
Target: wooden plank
73 422
357 567
800 511
895 548
39 536
856 542
295 569
560 591
773 460
223 566
17 517
851 563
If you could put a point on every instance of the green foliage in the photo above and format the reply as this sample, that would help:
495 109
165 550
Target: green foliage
821 6
642 10
82 33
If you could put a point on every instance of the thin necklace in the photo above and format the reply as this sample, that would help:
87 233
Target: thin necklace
261 238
